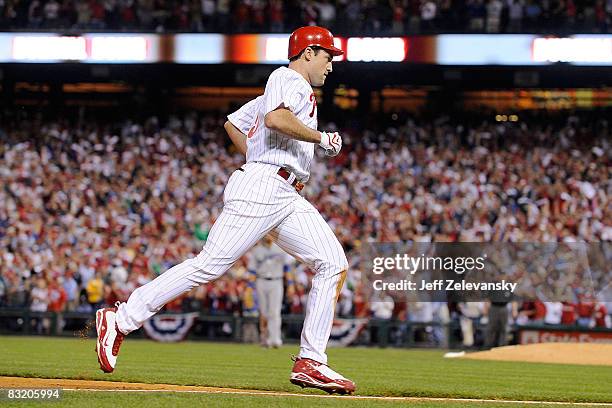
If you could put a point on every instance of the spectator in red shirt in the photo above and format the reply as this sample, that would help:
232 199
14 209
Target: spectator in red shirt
601 318
585 309
540 311
534 311
568 314
57 296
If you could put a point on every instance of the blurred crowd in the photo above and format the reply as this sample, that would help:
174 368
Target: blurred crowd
347 17
91 210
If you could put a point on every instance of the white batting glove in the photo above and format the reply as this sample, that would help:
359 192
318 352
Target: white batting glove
331 142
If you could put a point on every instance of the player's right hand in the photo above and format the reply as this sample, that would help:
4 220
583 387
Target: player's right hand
331 142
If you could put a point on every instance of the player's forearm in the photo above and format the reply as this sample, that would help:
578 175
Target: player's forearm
238 138
285 122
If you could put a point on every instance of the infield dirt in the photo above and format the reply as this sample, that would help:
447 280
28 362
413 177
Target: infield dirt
561 353
25 382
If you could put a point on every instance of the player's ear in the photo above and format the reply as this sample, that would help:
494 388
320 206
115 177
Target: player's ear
308 53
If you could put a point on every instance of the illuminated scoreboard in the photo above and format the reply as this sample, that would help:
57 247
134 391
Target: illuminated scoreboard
447 49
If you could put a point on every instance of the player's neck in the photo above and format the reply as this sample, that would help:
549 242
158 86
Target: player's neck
298 67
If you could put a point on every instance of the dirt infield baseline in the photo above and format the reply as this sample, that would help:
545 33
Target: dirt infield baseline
114 386
560 353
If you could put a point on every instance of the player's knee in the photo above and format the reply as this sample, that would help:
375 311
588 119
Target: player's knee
209 267
199 261
335 265
200 264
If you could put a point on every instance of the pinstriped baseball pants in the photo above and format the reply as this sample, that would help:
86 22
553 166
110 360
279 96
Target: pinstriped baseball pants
256 201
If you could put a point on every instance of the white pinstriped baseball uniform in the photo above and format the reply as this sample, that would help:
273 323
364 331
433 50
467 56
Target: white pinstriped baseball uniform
267 146
257 201
244 117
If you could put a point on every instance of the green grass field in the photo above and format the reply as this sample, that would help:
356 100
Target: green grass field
377 372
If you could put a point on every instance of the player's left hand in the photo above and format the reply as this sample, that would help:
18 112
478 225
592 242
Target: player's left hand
331 142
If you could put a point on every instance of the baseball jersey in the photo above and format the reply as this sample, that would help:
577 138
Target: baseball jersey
268 262
244 118
285 88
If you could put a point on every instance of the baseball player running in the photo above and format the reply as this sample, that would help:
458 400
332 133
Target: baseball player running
263 197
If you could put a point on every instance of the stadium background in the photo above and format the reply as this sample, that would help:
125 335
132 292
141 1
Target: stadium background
114 156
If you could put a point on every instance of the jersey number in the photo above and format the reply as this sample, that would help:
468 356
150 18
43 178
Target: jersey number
313 99
254 128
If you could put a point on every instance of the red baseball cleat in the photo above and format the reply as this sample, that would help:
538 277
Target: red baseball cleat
310 373
109 338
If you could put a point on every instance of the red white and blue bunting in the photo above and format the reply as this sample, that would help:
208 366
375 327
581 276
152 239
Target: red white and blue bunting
169 328
345 331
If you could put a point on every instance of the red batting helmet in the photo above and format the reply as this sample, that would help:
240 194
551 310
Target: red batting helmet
311 36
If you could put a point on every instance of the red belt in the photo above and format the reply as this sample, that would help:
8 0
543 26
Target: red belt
286 174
